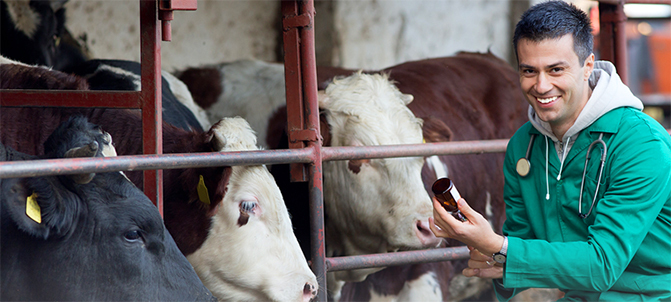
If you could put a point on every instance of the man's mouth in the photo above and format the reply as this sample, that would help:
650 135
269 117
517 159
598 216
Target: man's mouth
546 100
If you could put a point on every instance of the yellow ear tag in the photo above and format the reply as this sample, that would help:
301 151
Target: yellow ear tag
423 141
33 209
203 195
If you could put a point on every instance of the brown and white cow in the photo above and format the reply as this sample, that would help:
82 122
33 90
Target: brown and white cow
241 243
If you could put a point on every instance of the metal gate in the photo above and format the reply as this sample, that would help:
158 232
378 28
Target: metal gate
306 152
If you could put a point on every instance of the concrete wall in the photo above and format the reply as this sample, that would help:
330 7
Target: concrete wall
349 33
217 31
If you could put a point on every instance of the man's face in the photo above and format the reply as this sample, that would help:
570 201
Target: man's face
554 80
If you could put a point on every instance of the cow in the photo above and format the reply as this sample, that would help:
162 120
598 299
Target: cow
250 88
468 96
197 207
33 32
85 237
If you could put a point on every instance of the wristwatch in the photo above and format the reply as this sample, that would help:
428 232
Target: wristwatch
500 256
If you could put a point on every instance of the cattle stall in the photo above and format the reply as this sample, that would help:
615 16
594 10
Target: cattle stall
306 152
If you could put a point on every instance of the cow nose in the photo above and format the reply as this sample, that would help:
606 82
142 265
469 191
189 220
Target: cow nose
309 292
425 235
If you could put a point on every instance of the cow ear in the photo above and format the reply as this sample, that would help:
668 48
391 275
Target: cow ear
434 130
34 207
89 150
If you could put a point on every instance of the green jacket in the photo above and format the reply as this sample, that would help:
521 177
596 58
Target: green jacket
622 250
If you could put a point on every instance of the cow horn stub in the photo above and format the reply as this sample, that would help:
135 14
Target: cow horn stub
89 150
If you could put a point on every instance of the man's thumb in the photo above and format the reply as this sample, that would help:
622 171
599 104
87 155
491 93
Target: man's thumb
465 208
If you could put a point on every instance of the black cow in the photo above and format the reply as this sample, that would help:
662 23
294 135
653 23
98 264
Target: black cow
125 75
34 32
94 237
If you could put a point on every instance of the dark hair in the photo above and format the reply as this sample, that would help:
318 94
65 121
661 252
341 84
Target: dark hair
552 20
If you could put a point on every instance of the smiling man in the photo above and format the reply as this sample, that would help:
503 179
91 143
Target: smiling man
587 179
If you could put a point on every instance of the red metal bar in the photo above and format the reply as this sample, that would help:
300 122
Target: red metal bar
613 42
293 80
398 258
61 98
311 109
152 132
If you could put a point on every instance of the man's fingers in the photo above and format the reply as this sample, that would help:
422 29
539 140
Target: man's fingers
494 272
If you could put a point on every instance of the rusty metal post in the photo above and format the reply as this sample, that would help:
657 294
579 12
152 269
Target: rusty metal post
613 40
303 119
152 132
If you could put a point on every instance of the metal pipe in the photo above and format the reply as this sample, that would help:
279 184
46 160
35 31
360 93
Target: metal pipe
34 168
152 119
428 149
397 258
311 113
43 167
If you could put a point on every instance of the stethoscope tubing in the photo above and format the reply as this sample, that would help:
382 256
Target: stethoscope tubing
604 151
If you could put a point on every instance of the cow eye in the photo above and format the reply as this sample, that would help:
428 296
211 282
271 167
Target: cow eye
133 235
247 206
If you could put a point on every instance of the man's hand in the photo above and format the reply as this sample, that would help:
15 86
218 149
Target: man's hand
475 232
483 266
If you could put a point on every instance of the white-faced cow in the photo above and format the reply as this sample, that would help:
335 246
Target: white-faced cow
469 96
90 237
201 222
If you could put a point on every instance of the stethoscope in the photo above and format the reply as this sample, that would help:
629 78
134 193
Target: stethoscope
524 166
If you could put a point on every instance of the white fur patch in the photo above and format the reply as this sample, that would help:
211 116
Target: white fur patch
25 18
438 166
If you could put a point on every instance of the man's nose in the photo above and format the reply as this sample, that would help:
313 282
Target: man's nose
543 83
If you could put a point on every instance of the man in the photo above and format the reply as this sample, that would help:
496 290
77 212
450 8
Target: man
607 237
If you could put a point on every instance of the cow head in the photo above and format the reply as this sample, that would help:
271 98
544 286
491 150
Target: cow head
251 252
373 205
31 30
88 237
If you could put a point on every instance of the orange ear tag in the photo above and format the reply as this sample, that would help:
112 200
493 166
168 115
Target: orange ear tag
203 194
33 209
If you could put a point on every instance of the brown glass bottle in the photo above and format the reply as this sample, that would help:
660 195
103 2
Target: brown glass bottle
446 193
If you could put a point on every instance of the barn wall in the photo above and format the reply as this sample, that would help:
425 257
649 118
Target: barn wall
377 34
217 31
355 34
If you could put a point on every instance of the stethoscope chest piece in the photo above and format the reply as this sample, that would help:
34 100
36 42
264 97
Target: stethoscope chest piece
523 164
523 167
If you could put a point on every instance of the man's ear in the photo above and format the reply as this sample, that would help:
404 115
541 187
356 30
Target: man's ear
34 207
589 66
434 130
